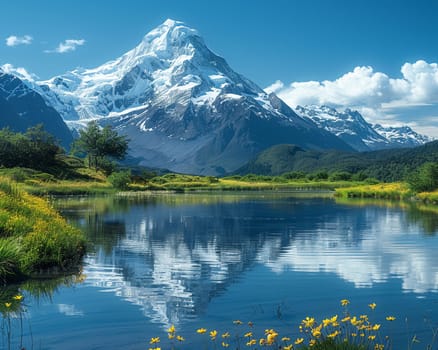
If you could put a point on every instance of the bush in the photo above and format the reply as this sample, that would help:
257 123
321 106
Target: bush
120 179
340 176
359 176
294 175
319 175
425 179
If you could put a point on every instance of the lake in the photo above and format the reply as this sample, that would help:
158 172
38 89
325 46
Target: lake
204 260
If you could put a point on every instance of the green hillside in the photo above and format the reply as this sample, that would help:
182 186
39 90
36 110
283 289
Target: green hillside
386 165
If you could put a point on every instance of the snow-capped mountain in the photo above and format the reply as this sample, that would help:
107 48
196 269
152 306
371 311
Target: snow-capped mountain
182 106
351 127
402 136
22 107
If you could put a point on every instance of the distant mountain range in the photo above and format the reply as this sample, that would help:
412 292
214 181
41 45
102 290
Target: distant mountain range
351 127
184 108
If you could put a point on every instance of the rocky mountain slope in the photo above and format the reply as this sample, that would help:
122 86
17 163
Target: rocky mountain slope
22 107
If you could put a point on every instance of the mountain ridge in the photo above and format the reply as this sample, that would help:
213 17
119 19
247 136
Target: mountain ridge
352 128
22 107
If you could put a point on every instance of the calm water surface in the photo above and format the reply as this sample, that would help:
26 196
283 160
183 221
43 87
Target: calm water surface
205 260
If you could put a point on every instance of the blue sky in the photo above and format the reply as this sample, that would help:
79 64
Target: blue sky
375 56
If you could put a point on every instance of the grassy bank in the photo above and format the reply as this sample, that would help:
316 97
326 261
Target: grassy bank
80 181
33 237
396 190
429 197
184 183
87 181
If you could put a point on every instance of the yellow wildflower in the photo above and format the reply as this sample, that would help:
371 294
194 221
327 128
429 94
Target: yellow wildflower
225 345
262 341
154 340
251 342
371 337
379 347
17 297
268 331
316 332
238 322
171 335
346 319
345 302
171 329
179 338
355 322
312 342
376 327
334 334
326 322
354 334
308 322
390 318
248 335
372 306
285 339
201 330
8 305
288 347
213 334
226 335
299 341
271 337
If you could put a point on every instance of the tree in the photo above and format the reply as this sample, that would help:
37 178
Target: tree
99 143
36 148
42 147
425 178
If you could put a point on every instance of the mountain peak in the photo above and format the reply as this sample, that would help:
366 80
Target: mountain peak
169 34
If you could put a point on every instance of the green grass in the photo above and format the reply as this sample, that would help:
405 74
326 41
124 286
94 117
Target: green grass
396 190
429 197
33 236
186 183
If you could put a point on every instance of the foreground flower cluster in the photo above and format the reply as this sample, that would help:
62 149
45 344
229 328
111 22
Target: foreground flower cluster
344 332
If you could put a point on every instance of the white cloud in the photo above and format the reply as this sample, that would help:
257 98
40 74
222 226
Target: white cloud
375 94
67 46
14 40
20 72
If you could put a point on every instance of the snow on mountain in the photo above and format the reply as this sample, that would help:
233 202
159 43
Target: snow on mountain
351 127
22 107
170 65
181 105
402 136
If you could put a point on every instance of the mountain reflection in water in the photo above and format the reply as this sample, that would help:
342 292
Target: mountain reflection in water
171 255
